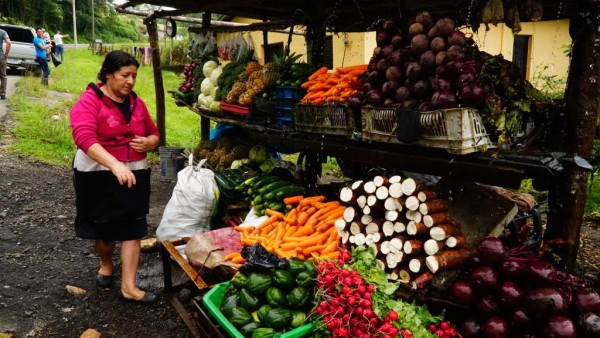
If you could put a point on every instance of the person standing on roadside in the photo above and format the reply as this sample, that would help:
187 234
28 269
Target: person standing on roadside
113 131
59 47
4 51
41 54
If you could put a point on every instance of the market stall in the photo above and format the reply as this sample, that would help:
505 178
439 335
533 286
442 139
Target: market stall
428 102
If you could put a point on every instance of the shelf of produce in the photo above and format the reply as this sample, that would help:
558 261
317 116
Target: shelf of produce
491 167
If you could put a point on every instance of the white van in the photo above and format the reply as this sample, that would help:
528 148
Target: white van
22 51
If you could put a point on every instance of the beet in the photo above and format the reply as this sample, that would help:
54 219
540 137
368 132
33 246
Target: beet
387 51
440 71
472 96
411 104
427 58
388 102
443 85
510 294
421 88
395 58
425 106
492 251
456 38
463 293
389 88
419 44
413 71
433 32
355 102
453 68
390 26
496 327
383 38
377 52
466 78
520 319
393 73
402 94
470 328
437 44
424 18
441 58
545 302
589 325
415 28
375 98
487 306
540 272
559 327
446 99
397 41
455 53
382 65
587 300
444 27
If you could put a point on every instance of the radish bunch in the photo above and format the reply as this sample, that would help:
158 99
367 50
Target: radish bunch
346 298
443 330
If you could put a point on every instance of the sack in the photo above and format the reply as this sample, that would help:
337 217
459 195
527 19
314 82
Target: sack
192 205
55 60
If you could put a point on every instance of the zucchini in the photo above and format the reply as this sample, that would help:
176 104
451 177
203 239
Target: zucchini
272 186
257 200
251 180
264 181
279 206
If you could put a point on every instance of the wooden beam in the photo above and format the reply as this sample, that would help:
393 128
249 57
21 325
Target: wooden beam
205 122
158 80
568 195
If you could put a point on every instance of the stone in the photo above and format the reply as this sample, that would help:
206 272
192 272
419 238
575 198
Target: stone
148 244
90 333
74 290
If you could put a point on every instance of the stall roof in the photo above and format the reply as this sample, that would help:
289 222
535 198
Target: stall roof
344 15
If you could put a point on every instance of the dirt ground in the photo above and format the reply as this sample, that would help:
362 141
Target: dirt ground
40 256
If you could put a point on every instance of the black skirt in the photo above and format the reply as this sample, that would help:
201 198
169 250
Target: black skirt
109 211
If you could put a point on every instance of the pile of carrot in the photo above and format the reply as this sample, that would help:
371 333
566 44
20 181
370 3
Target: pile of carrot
306 232
338 86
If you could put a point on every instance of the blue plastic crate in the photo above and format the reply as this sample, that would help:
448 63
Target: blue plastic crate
293 93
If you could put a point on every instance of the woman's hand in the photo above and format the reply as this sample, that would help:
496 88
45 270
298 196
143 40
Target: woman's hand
123 174
142 144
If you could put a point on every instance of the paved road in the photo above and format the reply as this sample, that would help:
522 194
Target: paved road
13 77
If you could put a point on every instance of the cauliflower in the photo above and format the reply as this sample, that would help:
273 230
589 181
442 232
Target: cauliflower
208 67
215 106
213 91
206 86
201 98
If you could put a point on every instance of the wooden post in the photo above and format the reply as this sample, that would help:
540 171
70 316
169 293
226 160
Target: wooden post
204 121
159 89
568 194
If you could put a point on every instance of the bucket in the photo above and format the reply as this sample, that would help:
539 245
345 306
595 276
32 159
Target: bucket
171 161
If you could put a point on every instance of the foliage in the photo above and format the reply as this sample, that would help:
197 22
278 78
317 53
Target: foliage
108 25
552 86
42 130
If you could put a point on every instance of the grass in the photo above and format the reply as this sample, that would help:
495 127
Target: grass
42 129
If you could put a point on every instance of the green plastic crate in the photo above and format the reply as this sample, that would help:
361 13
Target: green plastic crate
213 299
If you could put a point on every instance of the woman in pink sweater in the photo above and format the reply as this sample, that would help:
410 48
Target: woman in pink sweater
113 130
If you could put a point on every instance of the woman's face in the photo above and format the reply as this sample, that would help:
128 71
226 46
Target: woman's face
122 81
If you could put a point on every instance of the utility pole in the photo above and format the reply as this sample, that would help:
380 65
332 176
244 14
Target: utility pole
74 25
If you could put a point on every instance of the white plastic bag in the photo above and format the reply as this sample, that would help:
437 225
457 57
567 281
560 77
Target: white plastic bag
192 205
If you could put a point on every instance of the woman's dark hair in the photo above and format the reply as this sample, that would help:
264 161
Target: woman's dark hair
114 61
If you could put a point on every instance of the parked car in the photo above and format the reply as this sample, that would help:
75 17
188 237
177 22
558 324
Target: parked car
22 51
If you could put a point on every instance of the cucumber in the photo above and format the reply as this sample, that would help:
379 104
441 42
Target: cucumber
264 181
251 180
257 200
272 186
279 206
283 192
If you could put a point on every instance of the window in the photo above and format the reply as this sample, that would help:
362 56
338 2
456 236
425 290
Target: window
273 49
521 53
328 52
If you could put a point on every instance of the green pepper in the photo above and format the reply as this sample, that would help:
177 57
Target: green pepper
298 318
305 279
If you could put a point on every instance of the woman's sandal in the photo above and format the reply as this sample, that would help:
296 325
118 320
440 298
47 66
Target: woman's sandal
104 281
148 299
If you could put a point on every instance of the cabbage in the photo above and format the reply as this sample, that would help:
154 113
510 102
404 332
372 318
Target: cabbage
206 102
236 164
268 166
213 91
208 67
215 106
201 98
214 76
258 153
206 86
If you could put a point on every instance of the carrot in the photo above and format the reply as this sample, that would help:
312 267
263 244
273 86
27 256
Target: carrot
311 249
330 255
265 230
331 247
333 80
310 200
307 84
304 231
319 71
231 256
248 241
334 213
274 213
282 254
239 260
303 244
270 220
293 199
290 231
304 215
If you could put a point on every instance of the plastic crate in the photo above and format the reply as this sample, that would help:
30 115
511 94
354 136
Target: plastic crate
458 130
330 119
262 111
379 124
293 93
213 299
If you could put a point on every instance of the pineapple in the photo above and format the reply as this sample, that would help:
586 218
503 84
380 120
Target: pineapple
252 67
237 90
272 71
